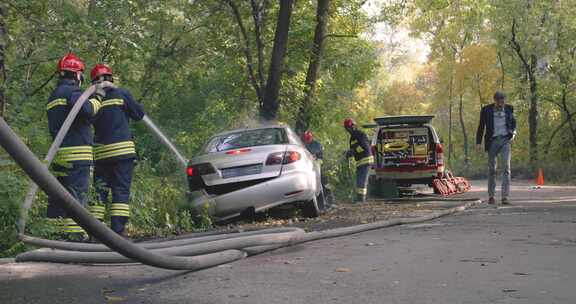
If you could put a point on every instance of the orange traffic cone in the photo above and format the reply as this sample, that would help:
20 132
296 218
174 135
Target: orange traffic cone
540 178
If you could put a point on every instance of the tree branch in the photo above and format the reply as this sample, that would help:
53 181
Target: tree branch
517 48
339 36
41 86
247 51
551 138
259 15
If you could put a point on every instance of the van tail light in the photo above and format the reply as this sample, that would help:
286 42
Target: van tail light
283 158
440 160
190 171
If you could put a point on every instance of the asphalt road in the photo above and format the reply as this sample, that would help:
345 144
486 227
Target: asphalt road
523 253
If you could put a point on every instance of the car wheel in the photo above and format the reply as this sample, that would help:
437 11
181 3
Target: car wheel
310 208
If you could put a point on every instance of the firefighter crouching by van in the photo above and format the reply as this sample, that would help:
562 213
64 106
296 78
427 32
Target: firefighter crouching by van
74 157
360 150
114 150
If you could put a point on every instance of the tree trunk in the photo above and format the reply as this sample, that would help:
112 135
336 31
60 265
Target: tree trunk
450 101
259 12
322 13
568 114
464 134
3 41
502 71
529 66
269 109
533 113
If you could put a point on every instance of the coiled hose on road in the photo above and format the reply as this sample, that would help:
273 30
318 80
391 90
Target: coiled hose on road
192 253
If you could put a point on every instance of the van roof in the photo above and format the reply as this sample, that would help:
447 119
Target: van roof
404 120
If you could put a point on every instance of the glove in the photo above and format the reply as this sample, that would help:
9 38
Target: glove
100 88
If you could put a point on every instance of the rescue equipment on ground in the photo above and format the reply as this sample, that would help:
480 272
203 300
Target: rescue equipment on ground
448 184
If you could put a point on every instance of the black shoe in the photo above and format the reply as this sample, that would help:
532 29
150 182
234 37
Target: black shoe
93 240
505 201
123 234
491 201
77 237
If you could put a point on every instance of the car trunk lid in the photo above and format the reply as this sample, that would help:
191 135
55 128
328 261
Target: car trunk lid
240 165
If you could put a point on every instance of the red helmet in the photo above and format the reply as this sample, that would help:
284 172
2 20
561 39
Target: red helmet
307 137
99 70
71 63
349 123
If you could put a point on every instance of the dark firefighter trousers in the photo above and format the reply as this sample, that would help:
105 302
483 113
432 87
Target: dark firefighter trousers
362 182
75 178
115 177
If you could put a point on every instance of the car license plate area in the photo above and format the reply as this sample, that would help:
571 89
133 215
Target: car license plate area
241 171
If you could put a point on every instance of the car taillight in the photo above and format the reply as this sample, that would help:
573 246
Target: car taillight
238 151
283 158
275 159
291 156
200 169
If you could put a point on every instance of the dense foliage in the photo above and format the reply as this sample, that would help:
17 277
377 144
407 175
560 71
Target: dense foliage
525 48
186 62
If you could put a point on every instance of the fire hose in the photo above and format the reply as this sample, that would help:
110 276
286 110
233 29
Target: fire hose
194 252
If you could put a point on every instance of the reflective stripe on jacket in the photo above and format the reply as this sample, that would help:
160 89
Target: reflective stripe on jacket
360 147
113 138
77 144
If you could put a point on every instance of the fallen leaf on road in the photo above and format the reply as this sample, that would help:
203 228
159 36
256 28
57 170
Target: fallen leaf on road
115 299
342 269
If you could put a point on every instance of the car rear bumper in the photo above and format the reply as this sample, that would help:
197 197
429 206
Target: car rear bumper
289 187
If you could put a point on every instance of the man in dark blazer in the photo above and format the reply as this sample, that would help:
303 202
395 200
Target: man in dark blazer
498 128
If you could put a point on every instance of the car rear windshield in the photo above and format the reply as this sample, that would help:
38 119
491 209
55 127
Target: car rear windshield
248 138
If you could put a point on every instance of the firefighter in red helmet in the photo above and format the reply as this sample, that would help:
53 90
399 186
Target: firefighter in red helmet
316 149
74 157
114 150
360 150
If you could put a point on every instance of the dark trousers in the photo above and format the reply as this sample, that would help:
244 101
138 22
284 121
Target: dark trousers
362 182
75 178
115 177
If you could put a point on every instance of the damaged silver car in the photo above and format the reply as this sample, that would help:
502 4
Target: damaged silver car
251 170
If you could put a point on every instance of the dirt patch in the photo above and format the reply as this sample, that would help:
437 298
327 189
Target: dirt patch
343 215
